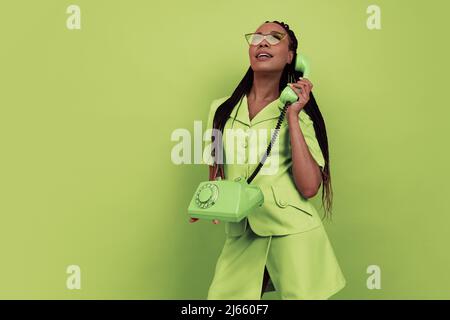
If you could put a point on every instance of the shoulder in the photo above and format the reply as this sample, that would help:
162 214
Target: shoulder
216 103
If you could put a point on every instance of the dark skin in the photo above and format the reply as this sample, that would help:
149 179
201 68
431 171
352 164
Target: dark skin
267 75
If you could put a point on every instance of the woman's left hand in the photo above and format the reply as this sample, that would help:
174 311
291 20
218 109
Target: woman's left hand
302 88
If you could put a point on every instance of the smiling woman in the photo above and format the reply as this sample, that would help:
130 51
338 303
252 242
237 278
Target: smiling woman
282 245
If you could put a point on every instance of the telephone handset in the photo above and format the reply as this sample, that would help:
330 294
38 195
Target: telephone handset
301 64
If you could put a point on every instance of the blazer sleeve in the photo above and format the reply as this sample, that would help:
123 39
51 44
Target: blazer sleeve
307 127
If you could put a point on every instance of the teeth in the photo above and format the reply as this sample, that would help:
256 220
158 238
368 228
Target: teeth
263 55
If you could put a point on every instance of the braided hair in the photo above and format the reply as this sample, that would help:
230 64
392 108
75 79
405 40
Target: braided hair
289 75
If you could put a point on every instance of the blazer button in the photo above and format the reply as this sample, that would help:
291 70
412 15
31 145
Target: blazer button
283 203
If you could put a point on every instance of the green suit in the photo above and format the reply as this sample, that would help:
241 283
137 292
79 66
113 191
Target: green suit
285 211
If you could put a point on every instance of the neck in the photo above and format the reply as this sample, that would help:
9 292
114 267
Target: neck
265 86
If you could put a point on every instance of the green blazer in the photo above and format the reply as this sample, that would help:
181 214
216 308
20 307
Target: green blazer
285 210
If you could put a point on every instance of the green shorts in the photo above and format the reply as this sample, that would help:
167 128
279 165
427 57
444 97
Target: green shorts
301 266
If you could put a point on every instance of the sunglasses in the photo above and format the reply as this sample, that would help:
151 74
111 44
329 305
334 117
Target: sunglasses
272 38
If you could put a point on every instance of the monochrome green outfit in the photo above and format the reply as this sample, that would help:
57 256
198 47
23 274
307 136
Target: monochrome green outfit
285 234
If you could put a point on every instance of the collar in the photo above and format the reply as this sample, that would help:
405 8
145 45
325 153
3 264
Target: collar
270 111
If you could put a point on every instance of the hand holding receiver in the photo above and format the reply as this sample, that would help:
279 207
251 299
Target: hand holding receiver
289 95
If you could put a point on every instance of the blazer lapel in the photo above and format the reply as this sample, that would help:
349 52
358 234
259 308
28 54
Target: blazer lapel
269 112
240 112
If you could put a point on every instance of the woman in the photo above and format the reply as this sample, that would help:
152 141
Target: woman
282 245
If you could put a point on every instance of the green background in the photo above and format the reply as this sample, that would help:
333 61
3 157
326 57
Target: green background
87 115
